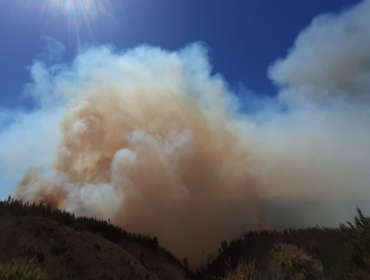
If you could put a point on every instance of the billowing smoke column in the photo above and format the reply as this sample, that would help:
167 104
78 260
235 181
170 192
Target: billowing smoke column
154 142
147 140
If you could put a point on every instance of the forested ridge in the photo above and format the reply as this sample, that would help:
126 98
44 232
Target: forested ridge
309 253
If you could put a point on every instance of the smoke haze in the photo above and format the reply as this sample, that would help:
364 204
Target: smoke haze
151 140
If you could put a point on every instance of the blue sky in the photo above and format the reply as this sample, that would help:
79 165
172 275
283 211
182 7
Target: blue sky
245 37
89 126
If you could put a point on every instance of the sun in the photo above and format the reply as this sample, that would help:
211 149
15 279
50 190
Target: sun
82 15
81 19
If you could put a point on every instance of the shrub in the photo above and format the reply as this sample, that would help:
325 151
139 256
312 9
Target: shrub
21 270
246 271
356 257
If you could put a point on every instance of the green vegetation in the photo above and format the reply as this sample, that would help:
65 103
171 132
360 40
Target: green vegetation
312 253
355 262
287 261
61 254
21 270
105 229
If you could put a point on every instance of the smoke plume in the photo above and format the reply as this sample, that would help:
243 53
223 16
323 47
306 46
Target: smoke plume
151 140
147 140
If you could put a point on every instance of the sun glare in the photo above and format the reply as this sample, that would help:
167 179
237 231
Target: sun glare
81 17
81 8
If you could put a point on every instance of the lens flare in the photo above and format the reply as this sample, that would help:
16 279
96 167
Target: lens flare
81 14
82 19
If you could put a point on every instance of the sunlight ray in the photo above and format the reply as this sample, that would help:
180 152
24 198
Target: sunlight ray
79 16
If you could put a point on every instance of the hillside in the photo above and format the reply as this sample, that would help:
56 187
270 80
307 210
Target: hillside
65 253
66 247
311 253
323 244
80 248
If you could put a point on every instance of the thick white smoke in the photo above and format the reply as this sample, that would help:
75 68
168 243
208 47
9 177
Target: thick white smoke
153 141
330 58
325 82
